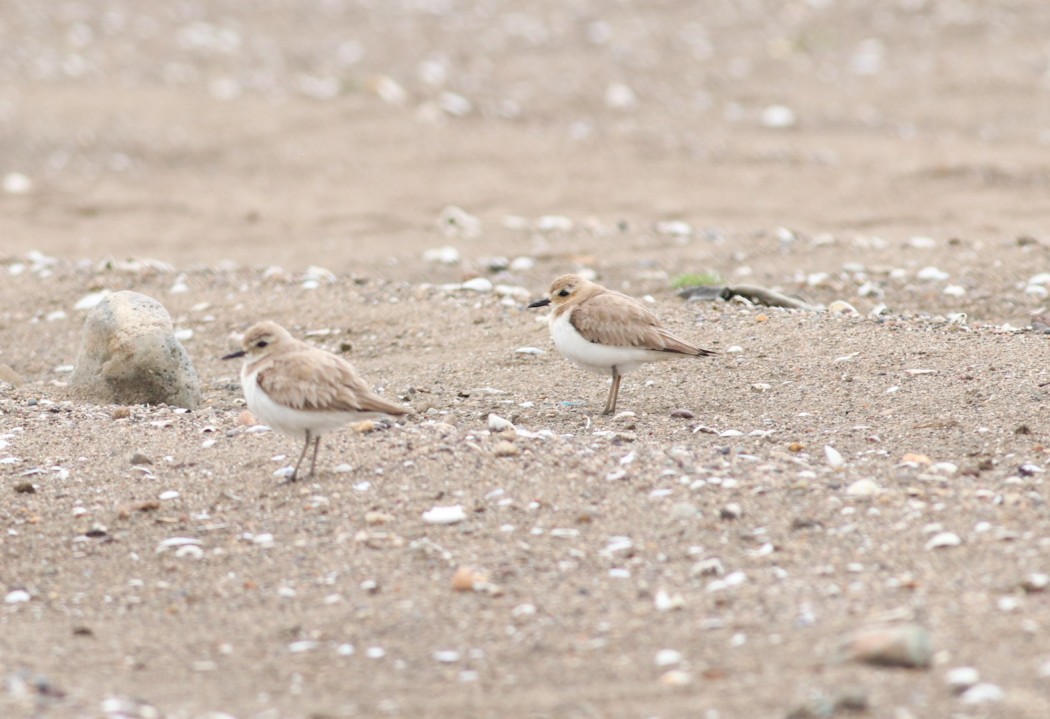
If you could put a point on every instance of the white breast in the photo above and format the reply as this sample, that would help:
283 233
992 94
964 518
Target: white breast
595 357
294 422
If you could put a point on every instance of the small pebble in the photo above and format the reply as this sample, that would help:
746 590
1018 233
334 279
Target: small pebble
138 458
506 449
731 511
905 645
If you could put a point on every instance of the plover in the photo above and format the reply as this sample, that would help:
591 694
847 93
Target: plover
607 332
302 390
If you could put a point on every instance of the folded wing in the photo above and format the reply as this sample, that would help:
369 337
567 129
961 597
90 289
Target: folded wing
321 382
614 319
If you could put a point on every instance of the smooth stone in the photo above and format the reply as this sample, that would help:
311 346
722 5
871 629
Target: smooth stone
903 645
129 355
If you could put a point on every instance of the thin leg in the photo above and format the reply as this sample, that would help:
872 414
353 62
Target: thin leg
306 445
313 462
614 391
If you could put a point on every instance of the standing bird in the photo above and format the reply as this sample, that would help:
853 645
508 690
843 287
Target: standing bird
607 332
302 390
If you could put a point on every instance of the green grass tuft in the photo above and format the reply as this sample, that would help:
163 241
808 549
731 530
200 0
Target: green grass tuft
695 279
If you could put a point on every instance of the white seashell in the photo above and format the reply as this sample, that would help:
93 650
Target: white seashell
943 539
170 494
553 223
982 694
446 255
834 457
667 657
840 307
863 488
954 291
17 596
498 424
455 104
675 228
619 96
90 300
922 243
932 274
478 284
522 264
389 90
530 350
15 183
305 645
445 515
176 542
960 679
778 117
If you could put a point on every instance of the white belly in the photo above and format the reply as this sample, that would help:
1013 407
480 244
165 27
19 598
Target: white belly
595 357
294 422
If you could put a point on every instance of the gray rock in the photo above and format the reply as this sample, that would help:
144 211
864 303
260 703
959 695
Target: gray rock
129 355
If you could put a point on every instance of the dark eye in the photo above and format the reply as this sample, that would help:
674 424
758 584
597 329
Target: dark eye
261 343
563 293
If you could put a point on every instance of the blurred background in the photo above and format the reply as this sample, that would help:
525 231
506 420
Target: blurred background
337 131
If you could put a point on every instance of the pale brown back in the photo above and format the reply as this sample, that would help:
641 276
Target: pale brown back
612 318
310 379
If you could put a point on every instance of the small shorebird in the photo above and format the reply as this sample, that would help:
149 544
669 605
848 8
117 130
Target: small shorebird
302 390
607 332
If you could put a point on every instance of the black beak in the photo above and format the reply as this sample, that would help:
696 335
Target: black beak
235 355
540 303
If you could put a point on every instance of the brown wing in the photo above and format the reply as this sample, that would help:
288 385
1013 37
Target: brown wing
316 380
611 318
